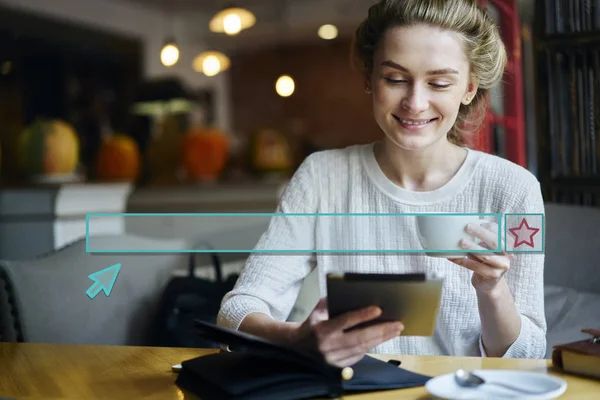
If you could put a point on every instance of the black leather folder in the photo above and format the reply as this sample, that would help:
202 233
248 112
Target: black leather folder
260 369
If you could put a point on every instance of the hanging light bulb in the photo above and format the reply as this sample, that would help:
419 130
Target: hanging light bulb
232 20
285 86
328 32
211 66
210 63
169 54
232 24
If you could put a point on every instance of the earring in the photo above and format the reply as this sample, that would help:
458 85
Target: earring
368 90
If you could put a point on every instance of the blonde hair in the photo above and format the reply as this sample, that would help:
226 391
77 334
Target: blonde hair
481 38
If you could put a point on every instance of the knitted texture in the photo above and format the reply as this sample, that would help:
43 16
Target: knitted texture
349 180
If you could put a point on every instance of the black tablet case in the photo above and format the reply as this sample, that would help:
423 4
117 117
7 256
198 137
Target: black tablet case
260 369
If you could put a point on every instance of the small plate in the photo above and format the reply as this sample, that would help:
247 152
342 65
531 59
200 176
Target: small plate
549 387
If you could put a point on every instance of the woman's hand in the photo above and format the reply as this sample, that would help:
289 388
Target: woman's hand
488 268
338 347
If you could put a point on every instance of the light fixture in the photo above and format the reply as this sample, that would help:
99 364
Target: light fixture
285 86
328 32
211 62
162 96
232 20
169 54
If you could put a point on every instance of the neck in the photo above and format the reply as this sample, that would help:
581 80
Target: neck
420 170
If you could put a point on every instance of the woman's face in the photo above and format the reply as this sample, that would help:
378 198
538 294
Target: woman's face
420 78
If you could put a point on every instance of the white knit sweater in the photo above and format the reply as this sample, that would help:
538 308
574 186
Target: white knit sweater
350 181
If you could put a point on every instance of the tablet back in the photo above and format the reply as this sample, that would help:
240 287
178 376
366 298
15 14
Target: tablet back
410 298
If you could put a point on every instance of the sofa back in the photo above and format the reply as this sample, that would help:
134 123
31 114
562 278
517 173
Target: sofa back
572 247
45 299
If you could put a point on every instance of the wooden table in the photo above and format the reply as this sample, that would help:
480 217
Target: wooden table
50 372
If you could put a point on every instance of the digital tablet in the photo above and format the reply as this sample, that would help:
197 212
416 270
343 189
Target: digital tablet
413 299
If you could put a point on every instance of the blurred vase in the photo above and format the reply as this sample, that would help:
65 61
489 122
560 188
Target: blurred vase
48 148
118 159
163 156
204 153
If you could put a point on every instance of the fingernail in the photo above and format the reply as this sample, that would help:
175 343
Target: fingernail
399 327
376 311
469 228
463 244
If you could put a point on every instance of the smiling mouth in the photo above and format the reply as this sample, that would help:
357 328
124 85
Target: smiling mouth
414 122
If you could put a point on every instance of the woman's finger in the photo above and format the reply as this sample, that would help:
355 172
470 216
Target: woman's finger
483 270
487 234
345 321
365 338
361 339
347 362
320 312
475 248
502 253
359 342
490 259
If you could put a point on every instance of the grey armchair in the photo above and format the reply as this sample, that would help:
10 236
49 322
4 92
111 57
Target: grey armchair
45 300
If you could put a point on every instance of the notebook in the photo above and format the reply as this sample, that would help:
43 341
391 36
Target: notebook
581 357
261 369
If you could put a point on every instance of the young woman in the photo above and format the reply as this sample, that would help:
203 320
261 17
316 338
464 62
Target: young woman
428 66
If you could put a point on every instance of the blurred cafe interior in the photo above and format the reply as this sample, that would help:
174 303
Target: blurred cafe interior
145 116
186 106
123 106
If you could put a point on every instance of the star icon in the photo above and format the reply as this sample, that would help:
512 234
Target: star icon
523 234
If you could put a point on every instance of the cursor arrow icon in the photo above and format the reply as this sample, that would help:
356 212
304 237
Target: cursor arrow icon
104 280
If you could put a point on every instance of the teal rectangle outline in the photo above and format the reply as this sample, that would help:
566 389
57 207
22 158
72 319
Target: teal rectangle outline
88 215
525 251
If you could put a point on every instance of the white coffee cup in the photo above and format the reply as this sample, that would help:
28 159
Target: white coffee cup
441 233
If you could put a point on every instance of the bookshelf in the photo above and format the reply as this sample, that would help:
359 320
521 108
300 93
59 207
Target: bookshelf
567 57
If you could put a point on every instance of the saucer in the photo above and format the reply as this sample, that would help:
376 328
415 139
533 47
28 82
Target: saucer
548 386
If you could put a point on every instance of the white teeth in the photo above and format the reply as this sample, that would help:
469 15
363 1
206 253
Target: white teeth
414 123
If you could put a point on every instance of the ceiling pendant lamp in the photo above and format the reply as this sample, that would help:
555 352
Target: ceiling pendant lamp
211 62
328 32
169 55
231 21
285 86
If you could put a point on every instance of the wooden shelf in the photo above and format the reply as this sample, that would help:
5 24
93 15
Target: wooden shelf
568 40
580 183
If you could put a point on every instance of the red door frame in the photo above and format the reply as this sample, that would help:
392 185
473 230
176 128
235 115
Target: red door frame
513 120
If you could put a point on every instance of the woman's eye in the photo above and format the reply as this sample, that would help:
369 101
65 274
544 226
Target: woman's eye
440 85
395 80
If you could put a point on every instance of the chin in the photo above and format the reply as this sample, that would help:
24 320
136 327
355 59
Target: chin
412 141
412 144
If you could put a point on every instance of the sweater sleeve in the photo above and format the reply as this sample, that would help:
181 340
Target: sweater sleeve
272 276
526 282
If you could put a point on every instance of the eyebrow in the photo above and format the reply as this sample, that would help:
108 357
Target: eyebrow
442 71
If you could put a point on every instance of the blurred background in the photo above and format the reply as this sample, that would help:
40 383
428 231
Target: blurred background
206 106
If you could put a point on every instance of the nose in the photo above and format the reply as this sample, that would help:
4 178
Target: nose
415 101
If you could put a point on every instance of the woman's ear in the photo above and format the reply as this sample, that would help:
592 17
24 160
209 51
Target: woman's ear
367 80
470 92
